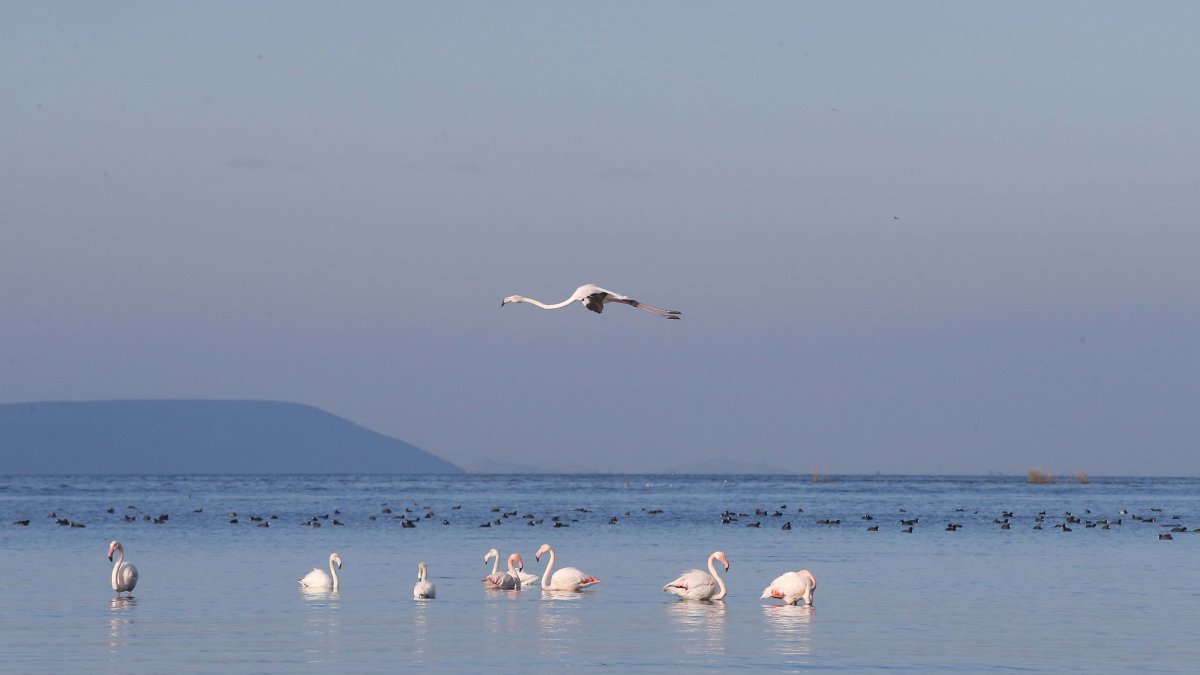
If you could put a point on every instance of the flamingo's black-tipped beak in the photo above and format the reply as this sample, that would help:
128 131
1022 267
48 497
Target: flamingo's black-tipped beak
109 557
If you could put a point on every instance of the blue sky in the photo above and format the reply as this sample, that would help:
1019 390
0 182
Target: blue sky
906 237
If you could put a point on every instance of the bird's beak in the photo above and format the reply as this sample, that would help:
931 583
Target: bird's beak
537 558
109 557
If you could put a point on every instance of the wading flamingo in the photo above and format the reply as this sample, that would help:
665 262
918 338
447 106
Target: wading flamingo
124 574
504 581
493 555
565 579
424 590
792 587
319 579
594 298
527 580
698 585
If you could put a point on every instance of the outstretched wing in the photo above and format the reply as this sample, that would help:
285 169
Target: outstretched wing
657 311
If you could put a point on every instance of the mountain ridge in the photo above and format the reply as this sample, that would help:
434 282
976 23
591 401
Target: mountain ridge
167 436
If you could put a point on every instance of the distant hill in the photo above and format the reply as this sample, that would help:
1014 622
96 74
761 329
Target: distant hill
195 436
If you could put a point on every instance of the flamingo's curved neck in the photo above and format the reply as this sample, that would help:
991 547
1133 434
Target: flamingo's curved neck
421 573
333 573
546 573
712 569
512 571
117 566
495 563
543 305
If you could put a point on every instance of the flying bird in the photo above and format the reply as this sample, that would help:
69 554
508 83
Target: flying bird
595 298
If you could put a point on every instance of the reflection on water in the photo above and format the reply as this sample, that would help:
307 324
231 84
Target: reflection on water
558 620
503 613
120 621
789 627
420 631
701 625
322 624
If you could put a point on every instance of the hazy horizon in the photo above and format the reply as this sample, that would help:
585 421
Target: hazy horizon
909 239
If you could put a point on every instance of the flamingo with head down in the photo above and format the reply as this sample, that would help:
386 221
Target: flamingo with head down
792 587
698 585
565 579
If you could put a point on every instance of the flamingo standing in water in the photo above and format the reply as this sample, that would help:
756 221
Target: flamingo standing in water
424 590
565 579
504 581
594 298
124 574
527 580
698 585
792 587
319 579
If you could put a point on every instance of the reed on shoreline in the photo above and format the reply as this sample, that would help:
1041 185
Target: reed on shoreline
1039 476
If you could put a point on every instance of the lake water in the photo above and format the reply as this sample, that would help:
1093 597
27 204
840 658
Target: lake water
216 596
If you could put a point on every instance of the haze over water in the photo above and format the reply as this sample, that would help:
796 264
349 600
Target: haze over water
219 596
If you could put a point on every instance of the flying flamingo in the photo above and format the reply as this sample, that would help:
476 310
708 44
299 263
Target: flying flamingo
319 579
124 574
594 298
565 579
504 581
424 589
698 585
792 587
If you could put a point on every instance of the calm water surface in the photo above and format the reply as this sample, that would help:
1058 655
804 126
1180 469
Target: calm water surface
216 596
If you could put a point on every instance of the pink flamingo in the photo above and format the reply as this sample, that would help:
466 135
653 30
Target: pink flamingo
594 298
792 587
699 585
504 581
565 579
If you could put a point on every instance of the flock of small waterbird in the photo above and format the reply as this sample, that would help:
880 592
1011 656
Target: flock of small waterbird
411 516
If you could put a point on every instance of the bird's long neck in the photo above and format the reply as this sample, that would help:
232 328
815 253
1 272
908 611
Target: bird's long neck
117 566
333 573
543 305
512 572
421 572
495 563
712 569
546 573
